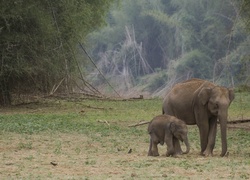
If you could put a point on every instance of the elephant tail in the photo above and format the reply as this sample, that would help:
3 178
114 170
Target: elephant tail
150 128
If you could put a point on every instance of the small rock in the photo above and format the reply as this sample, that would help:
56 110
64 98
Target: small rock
53 163
133 175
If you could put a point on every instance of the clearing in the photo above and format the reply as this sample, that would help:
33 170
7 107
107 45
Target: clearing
90 139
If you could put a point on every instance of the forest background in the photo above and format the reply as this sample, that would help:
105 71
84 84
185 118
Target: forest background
149 45
127 47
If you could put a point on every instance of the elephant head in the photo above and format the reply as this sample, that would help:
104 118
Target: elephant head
216 101
179 130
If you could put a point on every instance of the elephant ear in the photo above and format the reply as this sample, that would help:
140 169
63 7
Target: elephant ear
231 94
204 95
172 127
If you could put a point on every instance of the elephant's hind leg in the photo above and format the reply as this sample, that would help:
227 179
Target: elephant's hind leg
150 153
153 149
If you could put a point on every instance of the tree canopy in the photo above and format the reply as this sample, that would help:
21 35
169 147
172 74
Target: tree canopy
39 41
171 40
195 38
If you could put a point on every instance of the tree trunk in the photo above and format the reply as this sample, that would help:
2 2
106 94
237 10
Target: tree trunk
5 97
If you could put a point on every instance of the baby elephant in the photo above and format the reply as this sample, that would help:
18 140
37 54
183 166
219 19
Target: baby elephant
168 129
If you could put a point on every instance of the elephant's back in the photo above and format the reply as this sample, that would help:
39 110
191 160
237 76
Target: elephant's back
159 123
189 86
182 93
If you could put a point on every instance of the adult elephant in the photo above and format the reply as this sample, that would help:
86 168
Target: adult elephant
201 102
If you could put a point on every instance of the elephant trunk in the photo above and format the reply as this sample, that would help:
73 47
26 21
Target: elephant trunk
223 128
187 146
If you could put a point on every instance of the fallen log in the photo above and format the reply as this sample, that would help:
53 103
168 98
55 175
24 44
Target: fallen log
239 127
239 121
140 97
139 123
92 107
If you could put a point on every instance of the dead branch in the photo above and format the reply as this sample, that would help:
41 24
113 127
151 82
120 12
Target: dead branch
79 95
230 122
103 121
98 69
53 90
239 127
139 124
140 97
91 107
86 83
238 121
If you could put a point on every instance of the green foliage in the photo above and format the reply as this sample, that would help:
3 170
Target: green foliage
195 64
243 88
38 41
245 6
153 81
240 105
199 36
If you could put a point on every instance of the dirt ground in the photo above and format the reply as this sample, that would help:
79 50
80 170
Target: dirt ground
75 156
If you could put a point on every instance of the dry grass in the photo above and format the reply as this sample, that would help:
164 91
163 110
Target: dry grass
81 157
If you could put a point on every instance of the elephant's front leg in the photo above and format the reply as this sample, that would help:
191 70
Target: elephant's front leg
203 129
170 146
211 137
177 146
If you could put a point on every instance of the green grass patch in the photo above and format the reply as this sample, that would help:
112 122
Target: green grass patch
240 106
85 117
66 123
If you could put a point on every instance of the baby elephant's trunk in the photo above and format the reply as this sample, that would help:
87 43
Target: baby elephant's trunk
187 146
